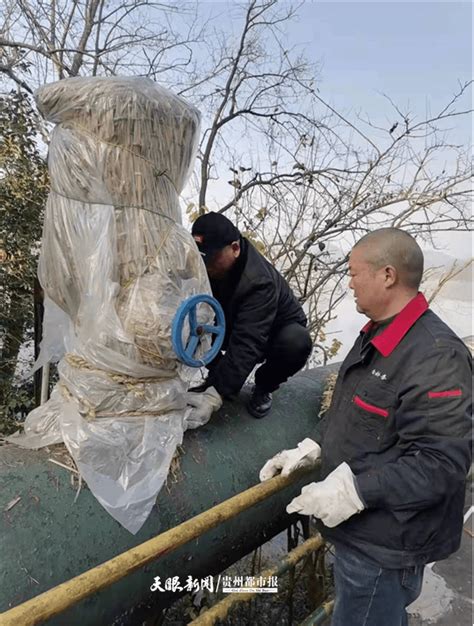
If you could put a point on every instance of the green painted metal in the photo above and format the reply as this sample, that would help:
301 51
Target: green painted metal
47 538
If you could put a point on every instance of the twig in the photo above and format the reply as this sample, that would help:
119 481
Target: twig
71 469
29 575
12 503
78 489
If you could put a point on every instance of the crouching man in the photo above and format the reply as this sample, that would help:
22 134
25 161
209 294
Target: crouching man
396 450
264 321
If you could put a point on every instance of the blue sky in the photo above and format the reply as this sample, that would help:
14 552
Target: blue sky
414 52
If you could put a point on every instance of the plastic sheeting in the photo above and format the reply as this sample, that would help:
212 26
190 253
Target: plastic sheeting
116 263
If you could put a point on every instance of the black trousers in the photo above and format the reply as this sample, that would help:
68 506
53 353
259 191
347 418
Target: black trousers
287 353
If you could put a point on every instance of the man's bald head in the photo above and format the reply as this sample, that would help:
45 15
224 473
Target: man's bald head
395 247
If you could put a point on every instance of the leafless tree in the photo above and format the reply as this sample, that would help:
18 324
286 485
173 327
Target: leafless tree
44 40
301 179
444 277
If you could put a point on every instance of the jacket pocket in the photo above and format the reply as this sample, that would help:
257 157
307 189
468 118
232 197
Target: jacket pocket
371 412
371 408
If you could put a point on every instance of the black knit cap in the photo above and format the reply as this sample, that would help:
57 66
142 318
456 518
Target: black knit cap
212 232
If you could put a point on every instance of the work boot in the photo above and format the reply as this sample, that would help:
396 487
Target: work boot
260 402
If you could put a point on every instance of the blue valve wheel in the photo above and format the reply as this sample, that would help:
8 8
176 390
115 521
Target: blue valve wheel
186 353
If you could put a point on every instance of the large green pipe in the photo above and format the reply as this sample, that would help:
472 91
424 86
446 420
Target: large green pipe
46 538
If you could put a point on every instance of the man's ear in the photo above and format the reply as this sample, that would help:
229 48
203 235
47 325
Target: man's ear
235 246
391 275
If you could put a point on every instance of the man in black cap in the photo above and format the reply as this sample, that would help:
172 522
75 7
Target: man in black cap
264 321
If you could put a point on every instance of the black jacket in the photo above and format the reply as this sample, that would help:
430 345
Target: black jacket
401 418
257 302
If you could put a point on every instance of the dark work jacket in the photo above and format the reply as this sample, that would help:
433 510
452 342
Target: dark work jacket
257 302
401 418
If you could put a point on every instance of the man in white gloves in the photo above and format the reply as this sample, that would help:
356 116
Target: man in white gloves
305 455
396 449
332 501
202 406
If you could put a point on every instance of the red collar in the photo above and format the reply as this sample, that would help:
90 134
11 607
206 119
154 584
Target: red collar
389 339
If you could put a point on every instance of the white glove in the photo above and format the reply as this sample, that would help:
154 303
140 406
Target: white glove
202 406
286 461
332 500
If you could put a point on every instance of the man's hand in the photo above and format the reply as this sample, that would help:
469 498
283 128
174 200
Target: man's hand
286 461
332 500
201 406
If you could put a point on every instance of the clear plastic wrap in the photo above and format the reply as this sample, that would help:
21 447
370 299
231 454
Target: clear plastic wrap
57 336
117 262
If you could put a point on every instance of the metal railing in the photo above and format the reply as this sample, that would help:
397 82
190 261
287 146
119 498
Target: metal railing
69 593
220 610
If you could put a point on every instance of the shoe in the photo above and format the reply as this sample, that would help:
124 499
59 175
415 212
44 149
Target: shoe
260 403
